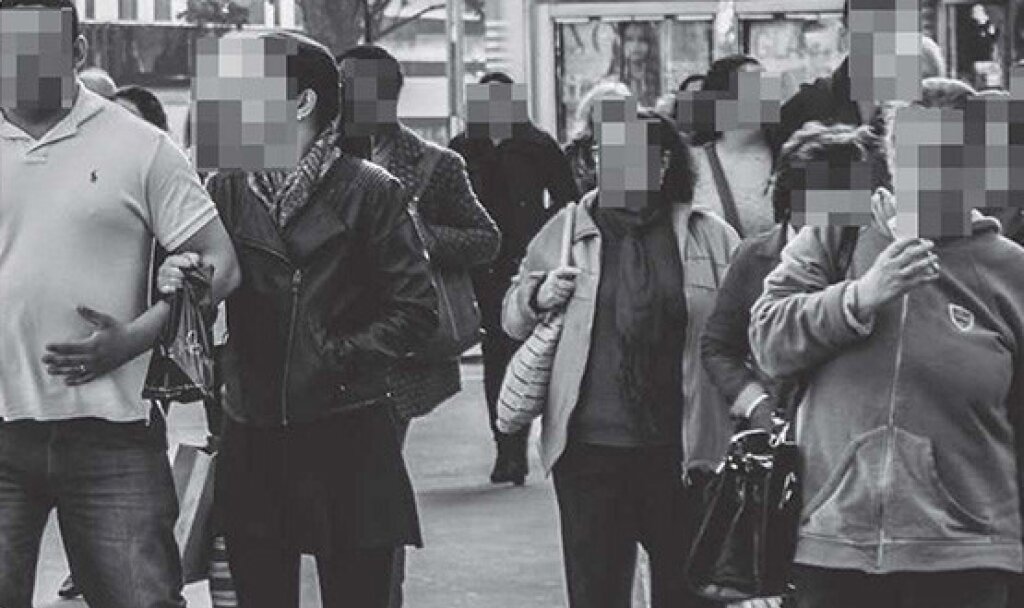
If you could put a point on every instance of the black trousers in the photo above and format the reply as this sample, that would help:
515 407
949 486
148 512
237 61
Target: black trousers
610 499
266 576
827 588
498 349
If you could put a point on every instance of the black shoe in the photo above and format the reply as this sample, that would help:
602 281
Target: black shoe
68 589
510 465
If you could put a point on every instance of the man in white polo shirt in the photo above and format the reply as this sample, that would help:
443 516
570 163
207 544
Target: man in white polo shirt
84 188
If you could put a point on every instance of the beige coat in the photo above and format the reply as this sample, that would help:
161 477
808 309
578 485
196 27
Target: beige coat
706 244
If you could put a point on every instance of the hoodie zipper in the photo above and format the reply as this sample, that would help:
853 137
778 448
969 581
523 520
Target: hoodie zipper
296 284
890 455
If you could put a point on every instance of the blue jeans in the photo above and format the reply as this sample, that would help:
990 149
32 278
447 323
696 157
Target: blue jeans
111 485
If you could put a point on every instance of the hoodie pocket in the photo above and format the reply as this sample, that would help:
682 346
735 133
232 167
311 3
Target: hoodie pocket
888 480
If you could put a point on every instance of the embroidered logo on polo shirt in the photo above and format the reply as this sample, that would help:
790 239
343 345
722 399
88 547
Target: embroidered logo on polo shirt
962 318
93 177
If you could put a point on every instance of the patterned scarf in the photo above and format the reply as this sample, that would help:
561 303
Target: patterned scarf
285 193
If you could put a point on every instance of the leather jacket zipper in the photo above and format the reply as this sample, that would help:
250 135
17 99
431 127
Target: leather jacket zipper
296 284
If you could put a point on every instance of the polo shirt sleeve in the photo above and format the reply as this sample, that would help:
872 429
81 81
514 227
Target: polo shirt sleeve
178 204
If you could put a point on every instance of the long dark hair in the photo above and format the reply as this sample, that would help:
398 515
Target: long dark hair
719 79
677 183
148 104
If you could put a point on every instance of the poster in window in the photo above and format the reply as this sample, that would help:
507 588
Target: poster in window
689 51
595 52
799 51
980 28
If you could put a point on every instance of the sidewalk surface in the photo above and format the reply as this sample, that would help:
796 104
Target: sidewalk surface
486 546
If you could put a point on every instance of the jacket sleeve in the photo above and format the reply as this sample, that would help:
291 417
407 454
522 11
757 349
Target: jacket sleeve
804 317
725 347
460 231
518 316
407 314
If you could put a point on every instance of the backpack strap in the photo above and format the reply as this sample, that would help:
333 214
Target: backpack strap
732 214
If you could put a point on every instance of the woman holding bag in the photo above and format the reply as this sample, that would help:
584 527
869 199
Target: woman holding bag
628 411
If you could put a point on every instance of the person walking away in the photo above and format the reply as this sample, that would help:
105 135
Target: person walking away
74 431
631 417
336 290
461 233
733 155
906 430
514 168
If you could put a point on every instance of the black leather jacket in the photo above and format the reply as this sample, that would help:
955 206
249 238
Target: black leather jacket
327 304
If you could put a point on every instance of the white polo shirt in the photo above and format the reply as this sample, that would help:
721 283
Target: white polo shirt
78 211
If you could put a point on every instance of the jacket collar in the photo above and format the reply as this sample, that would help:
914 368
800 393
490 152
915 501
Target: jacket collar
87 105
405 146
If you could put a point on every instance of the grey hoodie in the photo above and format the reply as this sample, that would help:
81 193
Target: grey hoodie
907 430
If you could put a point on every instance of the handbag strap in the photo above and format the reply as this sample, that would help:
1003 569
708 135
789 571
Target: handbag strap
847 243
732 214
424 170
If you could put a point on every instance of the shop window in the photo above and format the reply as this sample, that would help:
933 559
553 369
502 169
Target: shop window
162 10
978 41
798 50
128 10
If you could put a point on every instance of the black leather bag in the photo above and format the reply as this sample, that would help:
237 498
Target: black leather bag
182 367
747 538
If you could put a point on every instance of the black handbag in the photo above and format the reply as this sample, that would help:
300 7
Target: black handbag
182 367
747 537
458 313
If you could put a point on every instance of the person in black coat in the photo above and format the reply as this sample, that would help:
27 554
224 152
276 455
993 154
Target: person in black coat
510 176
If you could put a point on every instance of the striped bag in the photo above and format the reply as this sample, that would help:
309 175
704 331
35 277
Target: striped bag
524 389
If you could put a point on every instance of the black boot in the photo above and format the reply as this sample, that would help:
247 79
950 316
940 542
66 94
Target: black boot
510 464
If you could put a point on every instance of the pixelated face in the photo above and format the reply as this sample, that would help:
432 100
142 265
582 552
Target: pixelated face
829 194
369 98
949 161
245 108
753 100
629 159
885 50
493 109
36 59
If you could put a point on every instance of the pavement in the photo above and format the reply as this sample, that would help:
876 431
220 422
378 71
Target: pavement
486 546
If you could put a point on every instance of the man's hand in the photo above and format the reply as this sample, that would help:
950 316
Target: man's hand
171 277
107 348
902 266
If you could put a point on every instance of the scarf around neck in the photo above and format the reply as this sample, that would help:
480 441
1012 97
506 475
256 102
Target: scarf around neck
284 192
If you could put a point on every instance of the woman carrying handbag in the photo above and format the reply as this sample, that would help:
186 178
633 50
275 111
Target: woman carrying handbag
626 410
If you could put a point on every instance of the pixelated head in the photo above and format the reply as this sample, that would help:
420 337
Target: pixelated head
885 49
98 81
643 164
371 82
939 172
826 175
588 104
142 103
495 107
260 97
40 47
736 94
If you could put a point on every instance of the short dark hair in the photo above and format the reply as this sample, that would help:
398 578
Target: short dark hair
677 185
312 67
51 4
148 104
838 144
692 78
372 51
718 79
490 77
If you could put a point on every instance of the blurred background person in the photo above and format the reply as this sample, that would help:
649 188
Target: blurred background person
744 152
142 103
515 170
98 81
636 61
630 413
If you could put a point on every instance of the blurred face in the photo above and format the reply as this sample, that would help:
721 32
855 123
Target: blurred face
635 46
753 100
36 59
369 99
885 50
246 111
827 194
630 163
494 109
